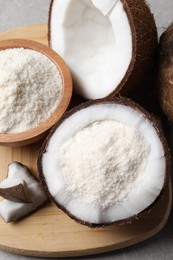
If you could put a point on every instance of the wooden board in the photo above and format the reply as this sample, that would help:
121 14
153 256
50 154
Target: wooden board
49 232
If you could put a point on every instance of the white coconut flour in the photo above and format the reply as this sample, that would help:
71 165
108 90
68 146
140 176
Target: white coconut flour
30 89
102 162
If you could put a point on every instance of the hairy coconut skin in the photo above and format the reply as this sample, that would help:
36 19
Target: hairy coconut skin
144 41
164 74
123 101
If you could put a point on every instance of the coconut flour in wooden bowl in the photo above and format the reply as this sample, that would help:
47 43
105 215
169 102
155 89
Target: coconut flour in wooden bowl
35 91
30 89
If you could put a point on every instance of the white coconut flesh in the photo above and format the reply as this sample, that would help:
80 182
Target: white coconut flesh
10 210
104 163
94 38
9 183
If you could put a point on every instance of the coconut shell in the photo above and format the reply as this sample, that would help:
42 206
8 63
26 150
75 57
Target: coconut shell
144 35
16 193
144 41
123 101
165 73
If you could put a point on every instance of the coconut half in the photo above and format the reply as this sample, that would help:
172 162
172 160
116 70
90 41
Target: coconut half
108 45
104 162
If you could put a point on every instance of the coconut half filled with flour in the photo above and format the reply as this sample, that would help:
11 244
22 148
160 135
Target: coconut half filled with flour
104 162
108 45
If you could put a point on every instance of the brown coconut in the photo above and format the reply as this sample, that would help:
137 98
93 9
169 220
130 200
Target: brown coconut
164 75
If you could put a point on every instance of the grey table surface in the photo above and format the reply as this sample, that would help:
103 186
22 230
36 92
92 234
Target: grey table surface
16 13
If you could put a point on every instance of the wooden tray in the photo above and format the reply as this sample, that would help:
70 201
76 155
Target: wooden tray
49 232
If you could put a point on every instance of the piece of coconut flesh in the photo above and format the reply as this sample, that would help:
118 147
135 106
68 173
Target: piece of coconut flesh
12 211
81 145
100 49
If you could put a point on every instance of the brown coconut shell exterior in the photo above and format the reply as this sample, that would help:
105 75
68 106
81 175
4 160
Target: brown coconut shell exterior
123 101
164 76
16 193
144 42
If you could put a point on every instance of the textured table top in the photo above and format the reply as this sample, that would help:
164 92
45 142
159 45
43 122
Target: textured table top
17 13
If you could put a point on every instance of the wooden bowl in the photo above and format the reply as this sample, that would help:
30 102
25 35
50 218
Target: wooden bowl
35 134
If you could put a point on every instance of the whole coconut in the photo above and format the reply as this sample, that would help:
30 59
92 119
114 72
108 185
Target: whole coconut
165 72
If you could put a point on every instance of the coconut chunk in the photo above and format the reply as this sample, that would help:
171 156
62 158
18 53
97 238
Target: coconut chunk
100 164
20 202
14 189
109 45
